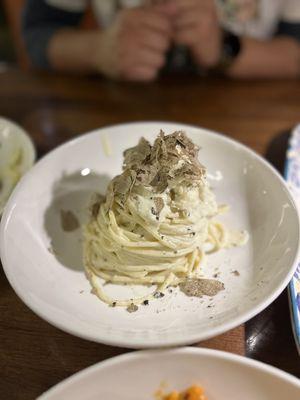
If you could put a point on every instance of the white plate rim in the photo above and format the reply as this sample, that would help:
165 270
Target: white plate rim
255 364
127 343
31 149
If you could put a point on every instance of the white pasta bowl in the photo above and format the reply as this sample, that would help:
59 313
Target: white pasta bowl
17 155
43 262
137 376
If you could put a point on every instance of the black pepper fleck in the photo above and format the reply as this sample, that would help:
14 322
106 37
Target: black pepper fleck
146 302
158 295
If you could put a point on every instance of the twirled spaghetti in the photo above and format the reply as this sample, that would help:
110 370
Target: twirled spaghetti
157 221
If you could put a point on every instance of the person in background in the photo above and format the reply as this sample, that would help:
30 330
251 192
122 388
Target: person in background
136 39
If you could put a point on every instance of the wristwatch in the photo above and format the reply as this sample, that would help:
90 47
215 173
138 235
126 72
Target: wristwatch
231 48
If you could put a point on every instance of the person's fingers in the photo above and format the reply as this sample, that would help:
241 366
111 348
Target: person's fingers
188 19
142 57
180 6
195 24
138 54
167 8
140 73
186 37
150 58
154 40
136 18
152 19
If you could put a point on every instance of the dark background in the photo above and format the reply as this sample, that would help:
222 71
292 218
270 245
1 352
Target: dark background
7 53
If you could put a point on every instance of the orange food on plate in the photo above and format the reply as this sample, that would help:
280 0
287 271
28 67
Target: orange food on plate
193 393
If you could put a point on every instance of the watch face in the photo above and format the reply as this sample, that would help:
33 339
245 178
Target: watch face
231 49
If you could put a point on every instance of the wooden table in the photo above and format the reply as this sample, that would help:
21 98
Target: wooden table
33 354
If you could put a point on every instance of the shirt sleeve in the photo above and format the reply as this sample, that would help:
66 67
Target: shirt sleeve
41 19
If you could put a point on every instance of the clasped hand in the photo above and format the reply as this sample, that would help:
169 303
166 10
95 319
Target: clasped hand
137 42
